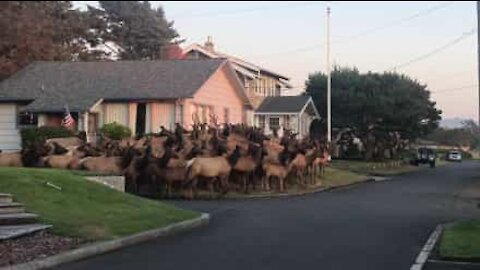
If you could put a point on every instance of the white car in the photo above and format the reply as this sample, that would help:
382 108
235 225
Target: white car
454 156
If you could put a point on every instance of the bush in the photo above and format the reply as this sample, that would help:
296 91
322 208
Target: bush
40 134
115 131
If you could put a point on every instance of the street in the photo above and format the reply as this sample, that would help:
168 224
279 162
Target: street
381 225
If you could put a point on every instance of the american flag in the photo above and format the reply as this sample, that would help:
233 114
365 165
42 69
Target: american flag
68 120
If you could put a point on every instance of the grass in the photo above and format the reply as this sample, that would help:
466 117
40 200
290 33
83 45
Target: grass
461 241
373 168
85 209
333 178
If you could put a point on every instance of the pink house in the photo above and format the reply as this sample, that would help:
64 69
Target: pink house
143 95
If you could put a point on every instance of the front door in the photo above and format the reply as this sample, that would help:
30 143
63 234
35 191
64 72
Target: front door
141 117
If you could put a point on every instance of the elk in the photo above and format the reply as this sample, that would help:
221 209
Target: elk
299 166
279 168
246 166
65 142
29 156
212 168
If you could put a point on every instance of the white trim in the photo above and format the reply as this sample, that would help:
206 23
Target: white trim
95 104
85 125
310 101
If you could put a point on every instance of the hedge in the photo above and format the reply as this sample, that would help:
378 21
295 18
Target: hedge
35 134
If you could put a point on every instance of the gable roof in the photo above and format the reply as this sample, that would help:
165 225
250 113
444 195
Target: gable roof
237 61
52 85
283 104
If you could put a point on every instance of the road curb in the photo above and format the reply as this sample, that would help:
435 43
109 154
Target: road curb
296 194
427 249
108 246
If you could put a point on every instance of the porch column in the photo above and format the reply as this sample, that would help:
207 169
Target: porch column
132 117
85 125
42 120
299 131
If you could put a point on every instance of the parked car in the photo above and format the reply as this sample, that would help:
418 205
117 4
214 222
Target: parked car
454 155
425 156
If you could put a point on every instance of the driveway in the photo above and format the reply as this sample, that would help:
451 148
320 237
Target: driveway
381 225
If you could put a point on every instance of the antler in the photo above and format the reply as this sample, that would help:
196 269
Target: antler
214 120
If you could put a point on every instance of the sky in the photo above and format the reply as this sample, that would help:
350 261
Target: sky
434 42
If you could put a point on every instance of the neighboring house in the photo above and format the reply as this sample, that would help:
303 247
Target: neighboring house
258 82
142 95
290 112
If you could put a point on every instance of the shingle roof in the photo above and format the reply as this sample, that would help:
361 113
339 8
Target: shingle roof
283 104
81 84
234 59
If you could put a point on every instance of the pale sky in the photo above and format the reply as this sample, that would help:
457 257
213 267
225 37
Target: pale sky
288 37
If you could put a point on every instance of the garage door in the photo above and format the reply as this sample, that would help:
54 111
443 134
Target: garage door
9 135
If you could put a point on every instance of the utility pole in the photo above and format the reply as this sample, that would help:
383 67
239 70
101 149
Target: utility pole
329 81
478 54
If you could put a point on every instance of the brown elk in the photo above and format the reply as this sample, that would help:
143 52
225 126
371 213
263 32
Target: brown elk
212 168
247 164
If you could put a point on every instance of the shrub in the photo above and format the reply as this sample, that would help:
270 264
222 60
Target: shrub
115 131
34 134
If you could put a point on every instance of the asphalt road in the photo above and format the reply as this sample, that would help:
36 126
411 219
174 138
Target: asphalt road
381 225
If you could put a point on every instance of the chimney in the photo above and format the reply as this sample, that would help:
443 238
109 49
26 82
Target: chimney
209 44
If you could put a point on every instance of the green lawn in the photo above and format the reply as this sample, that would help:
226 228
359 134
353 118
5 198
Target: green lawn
85 209
335 177
373 168
461 241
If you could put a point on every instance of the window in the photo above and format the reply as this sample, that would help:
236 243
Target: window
261 121
205 114
226 115
27 119
274 122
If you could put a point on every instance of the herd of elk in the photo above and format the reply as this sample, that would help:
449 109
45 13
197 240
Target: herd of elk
209 156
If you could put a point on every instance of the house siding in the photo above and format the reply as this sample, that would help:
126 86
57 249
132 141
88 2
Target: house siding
116 112
9 134
218 93
163 114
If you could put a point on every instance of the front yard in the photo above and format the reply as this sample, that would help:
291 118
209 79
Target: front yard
375 168
461 241
84 209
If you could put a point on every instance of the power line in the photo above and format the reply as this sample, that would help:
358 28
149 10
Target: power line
366 32
396 22
435 51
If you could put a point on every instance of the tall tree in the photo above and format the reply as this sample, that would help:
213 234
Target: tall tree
383 110
40 30
139 30
468 135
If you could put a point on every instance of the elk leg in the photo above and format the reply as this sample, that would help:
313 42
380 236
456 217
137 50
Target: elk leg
281 183
210 187
267 182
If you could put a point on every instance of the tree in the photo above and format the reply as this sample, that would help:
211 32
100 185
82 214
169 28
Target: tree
40 30
135 27
383 110
466 136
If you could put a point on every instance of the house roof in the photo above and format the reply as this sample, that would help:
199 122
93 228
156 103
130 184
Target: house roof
235 60
52 85
283 104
